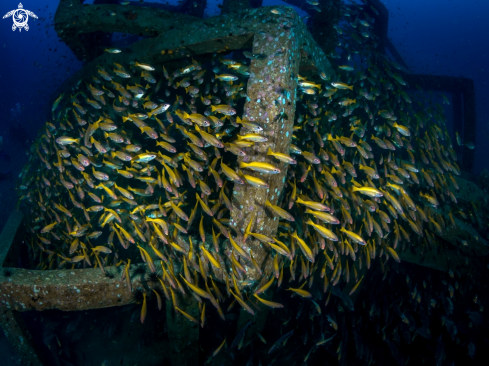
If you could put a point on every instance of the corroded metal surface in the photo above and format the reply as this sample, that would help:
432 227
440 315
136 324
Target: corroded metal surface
67 290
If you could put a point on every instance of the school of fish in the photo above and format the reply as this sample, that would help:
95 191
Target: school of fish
139 162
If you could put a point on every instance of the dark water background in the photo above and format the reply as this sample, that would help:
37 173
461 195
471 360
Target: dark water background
438 37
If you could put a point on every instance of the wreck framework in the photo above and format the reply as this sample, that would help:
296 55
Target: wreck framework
295 52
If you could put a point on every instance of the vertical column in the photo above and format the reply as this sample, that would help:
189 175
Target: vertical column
270 102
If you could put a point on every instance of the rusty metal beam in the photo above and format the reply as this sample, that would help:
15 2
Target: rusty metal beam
271 102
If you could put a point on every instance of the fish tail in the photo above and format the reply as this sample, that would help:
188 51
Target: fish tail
106 135
242 165
213 108
269 152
